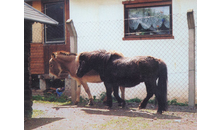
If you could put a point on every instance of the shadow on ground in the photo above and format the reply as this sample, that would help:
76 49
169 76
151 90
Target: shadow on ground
130 113
38 122
130 110
100 105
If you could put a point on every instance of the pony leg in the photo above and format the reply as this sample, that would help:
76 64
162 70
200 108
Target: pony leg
149 86
78 90
122 95
108 94
115 89
105 99
122 92
85 85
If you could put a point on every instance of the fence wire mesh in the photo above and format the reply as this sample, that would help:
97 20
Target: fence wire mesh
108 34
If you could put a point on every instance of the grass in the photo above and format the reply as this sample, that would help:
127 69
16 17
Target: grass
134 123
65 100
137 100
174 102
37 113
50 98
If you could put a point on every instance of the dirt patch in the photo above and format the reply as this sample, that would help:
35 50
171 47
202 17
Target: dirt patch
57 117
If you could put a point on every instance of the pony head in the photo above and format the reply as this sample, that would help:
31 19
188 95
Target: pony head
91 60
58 63
84 65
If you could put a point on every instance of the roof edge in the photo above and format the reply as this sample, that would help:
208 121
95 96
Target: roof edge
55 22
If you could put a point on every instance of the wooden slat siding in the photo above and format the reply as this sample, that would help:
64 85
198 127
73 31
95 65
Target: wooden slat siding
37 58
40 56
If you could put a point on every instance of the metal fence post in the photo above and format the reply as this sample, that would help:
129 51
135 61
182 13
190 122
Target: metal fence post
191 27
73 49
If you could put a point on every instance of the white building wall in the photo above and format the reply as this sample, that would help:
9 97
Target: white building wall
99 25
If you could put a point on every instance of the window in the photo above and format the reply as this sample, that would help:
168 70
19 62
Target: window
148 20
55 33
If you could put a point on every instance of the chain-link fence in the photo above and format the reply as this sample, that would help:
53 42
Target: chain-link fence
93 35
108 35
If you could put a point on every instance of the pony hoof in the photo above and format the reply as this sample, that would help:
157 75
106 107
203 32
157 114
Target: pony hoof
159 112
76 103
90 104
105 102
140 107
107 107
123 105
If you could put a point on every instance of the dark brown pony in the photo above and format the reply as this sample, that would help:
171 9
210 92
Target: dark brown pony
62 61
117 71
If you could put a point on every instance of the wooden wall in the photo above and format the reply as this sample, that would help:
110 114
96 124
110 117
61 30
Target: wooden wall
37 58
41 54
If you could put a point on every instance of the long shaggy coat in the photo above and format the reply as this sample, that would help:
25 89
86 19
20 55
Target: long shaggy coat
116 70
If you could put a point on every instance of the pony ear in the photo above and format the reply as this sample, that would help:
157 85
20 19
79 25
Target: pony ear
53 56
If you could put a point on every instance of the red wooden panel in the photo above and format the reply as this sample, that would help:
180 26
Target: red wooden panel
36 58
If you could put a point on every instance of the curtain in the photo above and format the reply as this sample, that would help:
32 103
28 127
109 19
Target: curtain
149 18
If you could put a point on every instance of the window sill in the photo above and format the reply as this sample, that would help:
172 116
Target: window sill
158 37
55 43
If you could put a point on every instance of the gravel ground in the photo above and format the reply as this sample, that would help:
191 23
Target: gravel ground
82 117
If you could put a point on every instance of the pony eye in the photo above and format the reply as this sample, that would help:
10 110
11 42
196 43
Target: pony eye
51 65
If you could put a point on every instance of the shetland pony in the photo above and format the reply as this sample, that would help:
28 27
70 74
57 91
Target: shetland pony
62 61
115 71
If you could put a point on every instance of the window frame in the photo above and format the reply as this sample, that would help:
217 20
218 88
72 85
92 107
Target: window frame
142 4
45 26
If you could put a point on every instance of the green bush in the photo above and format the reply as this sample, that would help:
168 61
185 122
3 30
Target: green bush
102 96
137 100
174 102
51 98
37 98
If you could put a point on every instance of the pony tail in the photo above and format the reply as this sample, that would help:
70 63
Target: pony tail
162 87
